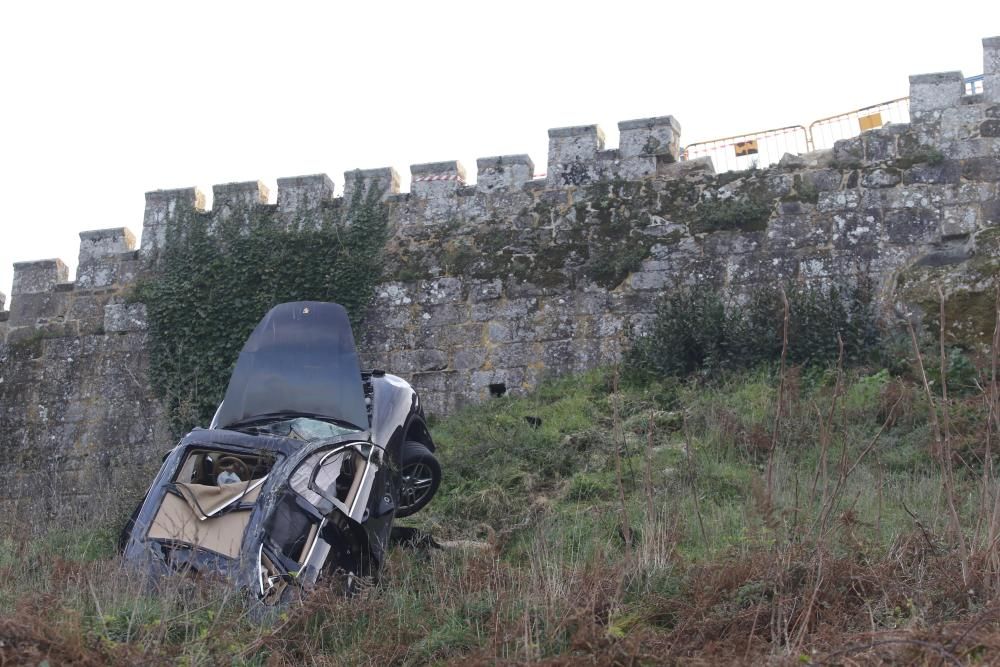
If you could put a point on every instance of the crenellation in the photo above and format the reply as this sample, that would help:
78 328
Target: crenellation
503 171
164 207
302 195
38 276
101 253
571 149
991 70
99 244
515 278
436 179
229 199
934 92
384 179
659 136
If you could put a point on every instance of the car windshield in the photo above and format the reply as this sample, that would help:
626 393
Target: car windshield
303 428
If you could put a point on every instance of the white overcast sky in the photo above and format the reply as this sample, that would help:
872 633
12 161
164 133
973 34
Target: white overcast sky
102 102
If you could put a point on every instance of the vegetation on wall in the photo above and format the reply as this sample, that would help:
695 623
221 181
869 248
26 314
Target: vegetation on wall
211 286
696 330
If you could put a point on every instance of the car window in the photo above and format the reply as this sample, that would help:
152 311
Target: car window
305 428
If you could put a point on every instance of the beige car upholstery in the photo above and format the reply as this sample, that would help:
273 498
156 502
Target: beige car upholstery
193 518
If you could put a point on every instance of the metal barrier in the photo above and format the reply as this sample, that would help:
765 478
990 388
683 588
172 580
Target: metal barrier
761 149
823 133
743 151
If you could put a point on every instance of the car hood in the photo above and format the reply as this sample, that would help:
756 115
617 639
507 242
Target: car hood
300 359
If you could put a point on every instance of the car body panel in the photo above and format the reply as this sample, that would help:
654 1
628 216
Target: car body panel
278 498
301 359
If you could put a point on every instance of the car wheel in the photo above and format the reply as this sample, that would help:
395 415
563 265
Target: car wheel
420 477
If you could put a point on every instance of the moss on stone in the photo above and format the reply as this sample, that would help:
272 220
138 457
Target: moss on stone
803 191
748 209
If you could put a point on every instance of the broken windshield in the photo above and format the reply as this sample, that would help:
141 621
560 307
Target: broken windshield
302 428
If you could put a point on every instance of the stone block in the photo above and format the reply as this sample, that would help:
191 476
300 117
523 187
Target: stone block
122 317
510 355
959 123
913 225
959 220
991 69
503 171
33 308
947 171
933 92
88 310
3 301
838 201
468 358
436 380
973 169
500 331
38 276
100 244
228 198
697 169
441 290
383 179
394 294
97 274
445 313
511 309
848 152
301 195
991 212
572 153
444 337
436 179
164 207
418 361
554 324
650 136
879 145
652 280
854 229
794 229
990 128
485 290
882 177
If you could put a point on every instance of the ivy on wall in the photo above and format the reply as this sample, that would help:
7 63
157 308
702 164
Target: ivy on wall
216 279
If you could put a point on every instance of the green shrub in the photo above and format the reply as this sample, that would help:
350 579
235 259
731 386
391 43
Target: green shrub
211 287
695 330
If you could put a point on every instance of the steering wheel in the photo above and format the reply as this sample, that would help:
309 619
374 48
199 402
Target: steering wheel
234 465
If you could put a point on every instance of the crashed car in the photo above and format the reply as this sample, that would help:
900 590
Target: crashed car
302 471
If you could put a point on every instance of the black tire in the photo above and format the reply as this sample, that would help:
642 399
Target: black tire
420 477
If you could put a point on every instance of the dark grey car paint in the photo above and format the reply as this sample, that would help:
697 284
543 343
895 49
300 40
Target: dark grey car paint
395 416
299 359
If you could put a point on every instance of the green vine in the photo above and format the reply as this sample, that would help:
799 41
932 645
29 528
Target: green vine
210 286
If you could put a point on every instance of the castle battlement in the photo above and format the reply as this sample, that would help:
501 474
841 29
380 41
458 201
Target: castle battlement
961 131
514 278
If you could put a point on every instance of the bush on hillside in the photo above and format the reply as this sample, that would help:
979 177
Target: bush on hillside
696 330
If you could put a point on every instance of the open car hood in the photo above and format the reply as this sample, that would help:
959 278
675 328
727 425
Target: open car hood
300 359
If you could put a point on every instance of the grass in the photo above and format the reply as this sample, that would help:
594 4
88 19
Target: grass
685 556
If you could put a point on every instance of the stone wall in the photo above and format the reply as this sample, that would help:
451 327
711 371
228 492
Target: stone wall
498 284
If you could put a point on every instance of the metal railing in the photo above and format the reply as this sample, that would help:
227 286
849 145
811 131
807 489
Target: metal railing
764 148
823 133
974 85
757 149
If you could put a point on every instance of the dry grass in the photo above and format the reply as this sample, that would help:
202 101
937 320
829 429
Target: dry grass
829 518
